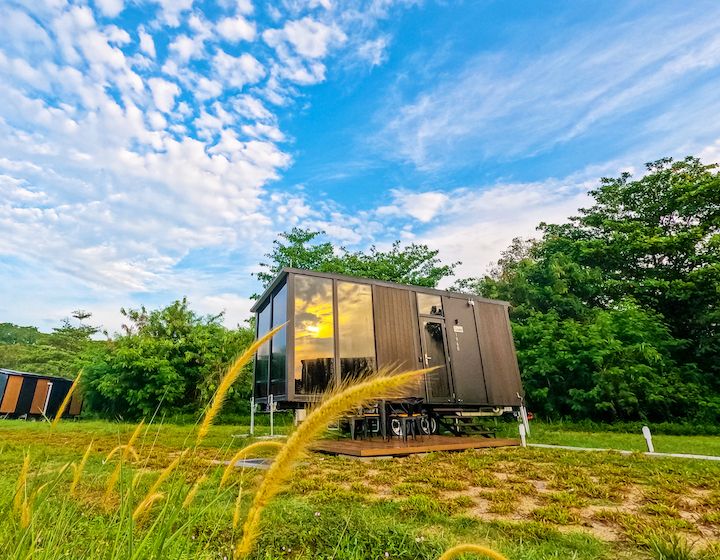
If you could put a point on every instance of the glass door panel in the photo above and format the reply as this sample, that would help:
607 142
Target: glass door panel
438 380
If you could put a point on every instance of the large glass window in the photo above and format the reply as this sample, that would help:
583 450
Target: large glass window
262 362
278 363
429 305
356 332
314 342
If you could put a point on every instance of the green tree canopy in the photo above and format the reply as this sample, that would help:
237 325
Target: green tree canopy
27 349
616 313
413 264
169 359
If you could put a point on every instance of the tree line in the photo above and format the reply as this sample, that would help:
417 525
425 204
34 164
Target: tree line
615 313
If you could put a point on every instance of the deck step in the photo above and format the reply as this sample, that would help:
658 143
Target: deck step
462 425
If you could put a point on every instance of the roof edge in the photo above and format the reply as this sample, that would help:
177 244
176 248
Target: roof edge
422 289
266 294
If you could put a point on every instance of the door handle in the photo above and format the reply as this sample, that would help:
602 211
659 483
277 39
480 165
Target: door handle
427 360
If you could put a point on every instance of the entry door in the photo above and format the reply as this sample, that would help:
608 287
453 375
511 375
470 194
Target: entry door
439 387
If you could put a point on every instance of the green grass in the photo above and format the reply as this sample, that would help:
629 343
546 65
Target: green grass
337 508
553 434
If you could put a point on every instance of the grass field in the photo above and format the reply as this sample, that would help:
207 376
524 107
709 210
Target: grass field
525 503
555 435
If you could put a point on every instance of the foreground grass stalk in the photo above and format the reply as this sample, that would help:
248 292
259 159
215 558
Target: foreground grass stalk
383 385
244 453
128 448
149 500
21 490
153 491
66 401
236 513
474 548
227 381
25 513
191 495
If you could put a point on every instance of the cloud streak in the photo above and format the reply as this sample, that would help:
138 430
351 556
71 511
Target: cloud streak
508 105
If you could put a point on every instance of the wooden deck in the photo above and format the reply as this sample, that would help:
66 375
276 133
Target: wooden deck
376 447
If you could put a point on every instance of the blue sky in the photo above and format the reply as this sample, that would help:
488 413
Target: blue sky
153 149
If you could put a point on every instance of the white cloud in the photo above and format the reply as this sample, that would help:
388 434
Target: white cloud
104 166
421 206
309 37
237 71
172 9
498 105
186 47
97 49
373 51
237 309
260 130
237 29
207 89
110 8
244 7
24 35
251 108
147 44
164 93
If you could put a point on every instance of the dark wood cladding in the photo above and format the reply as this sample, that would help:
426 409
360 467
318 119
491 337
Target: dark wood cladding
497 349
395 326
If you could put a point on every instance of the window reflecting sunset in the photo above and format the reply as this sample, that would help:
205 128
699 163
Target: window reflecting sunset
356 332
314 342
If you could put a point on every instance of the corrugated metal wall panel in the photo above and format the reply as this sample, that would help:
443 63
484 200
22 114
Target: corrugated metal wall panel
497 349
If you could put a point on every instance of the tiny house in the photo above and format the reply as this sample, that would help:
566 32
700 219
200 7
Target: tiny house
29 395
339 327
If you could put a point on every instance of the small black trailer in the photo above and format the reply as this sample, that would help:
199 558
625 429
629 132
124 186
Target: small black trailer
34 396
339 327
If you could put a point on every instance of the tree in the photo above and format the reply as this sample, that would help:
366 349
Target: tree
169 358
13 334
616 313
414 264
657 240
27 349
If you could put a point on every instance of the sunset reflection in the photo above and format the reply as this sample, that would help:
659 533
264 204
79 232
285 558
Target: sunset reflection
314 344
355 329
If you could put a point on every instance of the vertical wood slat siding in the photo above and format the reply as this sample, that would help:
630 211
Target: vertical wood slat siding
38 402
75 405
394 329
497 349
12 392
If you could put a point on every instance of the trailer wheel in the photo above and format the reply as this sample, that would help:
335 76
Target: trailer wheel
395 427
428 425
